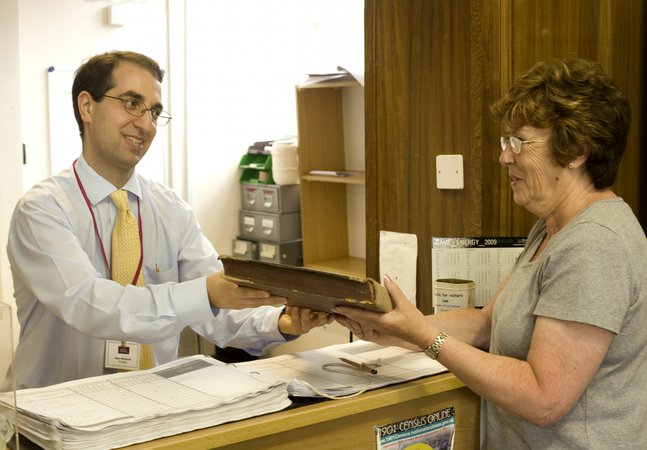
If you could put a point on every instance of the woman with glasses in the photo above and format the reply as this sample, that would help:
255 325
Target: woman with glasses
77 318
560 352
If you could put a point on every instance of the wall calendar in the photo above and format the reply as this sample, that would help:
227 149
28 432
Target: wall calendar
484 260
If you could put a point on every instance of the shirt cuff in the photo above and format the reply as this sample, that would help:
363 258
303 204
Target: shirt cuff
191 302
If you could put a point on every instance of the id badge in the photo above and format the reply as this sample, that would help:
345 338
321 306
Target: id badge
122 355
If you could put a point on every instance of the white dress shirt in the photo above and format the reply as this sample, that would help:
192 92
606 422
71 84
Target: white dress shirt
68 307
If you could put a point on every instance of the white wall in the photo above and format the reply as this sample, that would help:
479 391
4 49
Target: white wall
244 59
232 68
80 30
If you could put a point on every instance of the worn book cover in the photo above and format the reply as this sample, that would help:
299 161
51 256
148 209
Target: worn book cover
308 288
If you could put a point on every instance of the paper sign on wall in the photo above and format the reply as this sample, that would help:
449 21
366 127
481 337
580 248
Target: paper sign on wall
398 260
484 260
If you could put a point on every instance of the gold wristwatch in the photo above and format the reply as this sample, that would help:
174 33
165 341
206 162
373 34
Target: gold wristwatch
434 348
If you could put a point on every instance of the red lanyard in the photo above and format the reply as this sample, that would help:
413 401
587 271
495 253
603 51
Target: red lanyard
96 229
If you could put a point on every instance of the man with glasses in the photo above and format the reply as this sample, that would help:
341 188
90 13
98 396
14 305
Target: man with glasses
75 320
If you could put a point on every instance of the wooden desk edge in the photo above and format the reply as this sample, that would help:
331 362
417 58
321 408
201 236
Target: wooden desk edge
286 420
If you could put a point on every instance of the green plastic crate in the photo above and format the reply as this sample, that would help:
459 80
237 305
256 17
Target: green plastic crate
257 169
259 162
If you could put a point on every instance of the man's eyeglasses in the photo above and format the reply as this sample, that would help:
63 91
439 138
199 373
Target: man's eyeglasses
137 108
515 143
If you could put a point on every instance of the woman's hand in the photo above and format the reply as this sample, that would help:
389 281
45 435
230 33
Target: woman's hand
404 325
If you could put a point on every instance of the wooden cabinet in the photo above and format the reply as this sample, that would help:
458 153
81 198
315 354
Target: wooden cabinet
333 230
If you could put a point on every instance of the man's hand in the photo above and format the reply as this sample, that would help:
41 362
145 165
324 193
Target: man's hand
297 321
226 295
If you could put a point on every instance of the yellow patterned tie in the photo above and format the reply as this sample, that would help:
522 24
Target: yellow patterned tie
126 254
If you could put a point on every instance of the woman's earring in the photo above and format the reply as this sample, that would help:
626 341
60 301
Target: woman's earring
571 165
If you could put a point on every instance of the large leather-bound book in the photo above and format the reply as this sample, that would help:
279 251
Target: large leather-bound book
308 288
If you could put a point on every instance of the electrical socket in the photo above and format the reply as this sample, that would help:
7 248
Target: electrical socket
449 172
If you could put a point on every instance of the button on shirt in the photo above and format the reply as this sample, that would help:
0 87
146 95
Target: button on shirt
66 304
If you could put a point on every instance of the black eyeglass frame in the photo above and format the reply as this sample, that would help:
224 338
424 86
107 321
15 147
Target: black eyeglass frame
159 117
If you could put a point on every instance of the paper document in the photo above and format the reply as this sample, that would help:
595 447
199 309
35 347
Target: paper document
184 395
322 373
341 75
399 259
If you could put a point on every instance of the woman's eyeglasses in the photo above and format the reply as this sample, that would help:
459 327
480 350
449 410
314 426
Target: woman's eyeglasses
515 143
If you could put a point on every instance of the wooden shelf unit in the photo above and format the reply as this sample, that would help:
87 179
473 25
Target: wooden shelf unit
324 216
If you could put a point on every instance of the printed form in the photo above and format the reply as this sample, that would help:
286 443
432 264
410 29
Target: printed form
184 395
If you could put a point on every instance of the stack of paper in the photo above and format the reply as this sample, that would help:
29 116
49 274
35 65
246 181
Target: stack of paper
341 75
125 408
344 370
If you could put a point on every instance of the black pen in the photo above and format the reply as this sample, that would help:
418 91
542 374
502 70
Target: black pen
361 366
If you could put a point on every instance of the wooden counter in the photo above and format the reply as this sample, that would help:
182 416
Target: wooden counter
335 424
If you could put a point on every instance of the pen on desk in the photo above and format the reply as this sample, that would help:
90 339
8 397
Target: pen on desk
361 366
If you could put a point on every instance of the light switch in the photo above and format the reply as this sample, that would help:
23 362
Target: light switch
449 172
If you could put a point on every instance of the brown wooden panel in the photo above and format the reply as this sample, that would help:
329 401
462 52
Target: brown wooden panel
608 31
323 221
321 147
432 70
321 129
427 68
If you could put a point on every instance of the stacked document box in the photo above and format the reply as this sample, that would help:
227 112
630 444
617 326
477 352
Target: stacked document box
270 224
